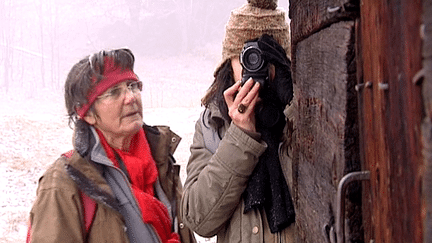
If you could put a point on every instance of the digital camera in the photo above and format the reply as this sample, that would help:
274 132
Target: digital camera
254 65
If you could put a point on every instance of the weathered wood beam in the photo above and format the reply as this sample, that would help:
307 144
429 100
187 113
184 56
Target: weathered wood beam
310 16
326 140
391 115
424 78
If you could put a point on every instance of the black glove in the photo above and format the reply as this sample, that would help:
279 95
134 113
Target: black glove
273 51
282 84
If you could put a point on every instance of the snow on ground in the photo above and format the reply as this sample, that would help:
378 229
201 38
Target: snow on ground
34 132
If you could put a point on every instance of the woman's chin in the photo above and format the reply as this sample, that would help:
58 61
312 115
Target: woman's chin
137 125
132 128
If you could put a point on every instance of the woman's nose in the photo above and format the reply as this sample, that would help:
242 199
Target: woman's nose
129 96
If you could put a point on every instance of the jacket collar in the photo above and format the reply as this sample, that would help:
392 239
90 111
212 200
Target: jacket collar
215 116
163 142
212 117
86 141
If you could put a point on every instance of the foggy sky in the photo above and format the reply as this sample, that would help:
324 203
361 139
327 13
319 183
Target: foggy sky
42 39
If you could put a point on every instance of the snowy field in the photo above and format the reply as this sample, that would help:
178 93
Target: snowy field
34 132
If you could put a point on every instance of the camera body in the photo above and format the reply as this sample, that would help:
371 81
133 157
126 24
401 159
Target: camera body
254 65
257 67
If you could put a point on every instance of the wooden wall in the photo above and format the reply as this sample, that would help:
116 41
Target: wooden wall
326 126
424 79
358 107
391 113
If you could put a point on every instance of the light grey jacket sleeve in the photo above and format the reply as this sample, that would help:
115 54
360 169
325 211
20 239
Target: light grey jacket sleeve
215 182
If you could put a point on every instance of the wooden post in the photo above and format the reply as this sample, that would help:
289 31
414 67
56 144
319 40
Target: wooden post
326 143
384 37
424 78
391 112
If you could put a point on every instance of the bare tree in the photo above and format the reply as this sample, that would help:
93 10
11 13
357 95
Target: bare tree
134 10
41 29
52 30
6 34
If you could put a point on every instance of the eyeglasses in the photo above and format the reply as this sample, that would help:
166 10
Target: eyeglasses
117 92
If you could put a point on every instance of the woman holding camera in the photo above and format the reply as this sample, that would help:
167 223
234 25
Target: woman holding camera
235 188
120 183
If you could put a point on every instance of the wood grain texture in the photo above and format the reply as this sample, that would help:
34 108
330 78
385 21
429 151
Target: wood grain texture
326 144
310 16
391 112
426 83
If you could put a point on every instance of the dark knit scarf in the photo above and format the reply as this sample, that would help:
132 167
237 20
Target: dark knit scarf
267 187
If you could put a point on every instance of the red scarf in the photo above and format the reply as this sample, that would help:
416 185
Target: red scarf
143 173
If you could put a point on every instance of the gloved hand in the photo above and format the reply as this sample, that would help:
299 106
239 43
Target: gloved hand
282 84
273 52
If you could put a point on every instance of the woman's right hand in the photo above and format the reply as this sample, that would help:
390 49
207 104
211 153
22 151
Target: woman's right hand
241 101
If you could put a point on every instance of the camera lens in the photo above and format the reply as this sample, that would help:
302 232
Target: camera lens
252 59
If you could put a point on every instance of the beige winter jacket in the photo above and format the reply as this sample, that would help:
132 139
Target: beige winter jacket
57 213
212 201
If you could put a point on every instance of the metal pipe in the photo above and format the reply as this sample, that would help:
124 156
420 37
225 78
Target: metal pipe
340 200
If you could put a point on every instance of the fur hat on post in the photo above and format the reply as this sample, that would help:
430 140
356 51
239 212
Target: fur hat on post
250 21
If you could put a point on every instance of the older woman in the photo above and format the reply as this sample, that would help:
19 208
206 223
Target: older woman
120 183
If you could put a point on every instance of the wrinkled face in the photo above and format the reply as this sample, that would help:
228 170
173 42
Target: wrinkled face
118 111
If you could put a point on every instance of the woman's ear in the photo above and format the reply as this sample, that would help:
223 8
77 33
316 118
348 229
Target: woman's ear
90 118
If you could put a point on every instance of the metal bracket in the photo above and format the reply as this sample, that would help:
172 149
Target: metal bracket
383 86
360 86
419 76
340 200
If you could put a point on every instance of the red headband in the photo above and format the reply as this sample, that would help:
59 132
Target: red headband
113 75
